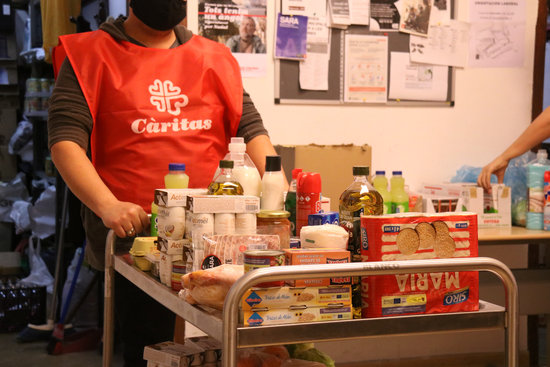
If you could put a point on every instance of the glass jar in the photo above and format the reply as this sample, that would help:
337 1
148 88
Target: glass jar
274 222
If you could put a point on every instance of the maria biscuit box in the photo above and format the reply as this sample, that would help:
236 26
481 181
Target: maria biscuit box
419 236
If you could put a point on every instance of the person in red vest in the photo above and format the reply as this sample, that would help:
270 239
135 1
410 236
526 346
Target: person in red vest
130 98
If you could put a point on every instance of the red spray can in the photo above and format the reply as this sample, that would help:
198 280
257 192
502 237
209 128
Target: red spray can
308 197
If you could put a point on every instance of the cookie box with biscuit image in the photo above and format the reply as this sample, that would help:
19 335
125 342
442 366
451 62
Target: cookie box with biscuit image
314 256
414 236
292 315
285 297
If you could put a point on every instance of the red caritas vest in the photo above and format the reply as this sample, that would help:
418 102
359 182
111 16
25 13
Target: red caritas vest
152 106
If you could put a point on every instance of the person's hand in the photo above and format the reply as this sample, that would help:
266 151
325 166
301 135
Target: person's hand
496 167
126 219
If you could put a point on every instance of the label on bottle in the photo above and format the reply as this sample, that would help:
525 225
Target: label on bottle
351 222
400 207
290 206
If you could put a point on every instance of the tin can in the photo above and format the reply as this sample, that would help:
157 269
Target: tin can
33 85
256 259
44 85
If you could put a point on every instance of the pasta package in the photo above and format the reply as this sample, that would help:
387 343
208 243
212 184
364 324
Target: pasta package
413 236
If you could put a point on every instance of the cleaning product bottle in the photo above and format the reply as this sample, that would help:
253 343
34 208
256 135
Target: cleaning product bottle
244 170
399 197
290 201
273 185
535 190
380 183
225 182
360 198
308 197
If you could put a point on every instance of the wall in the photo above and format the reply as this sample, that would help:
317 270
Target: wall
493 106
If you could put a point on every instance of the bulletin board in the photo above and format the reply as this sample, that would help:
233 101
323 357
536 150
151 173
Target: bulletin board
287 81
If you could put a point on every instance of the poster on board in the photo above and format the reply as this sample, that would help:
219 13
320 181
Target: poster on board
241 26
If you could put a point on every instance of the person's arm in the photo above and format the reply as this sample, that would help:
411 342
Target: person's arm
538 131
81 177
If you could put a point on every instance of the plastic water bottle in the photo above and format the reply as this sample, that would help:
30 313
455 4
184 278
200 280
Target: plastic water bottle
176 178
244 170
380 183
399 197
535 190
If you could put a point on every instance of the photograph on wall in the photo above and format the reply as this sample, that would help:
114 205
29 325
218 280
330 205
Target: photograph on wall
415 16
241 26
384 15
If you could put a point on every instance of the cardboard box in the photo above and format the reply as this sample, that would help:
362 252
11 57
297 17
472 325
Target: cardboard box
208 204
174 354
313 257
175 197
410 237
212 347
334 163
171 247
494 210
276 316
286 297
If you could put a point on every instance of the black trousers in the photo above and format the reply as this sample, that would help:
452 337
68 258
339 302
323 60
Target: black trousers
141 320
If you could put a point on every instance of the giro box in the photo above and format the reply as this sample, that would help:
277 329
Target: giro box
285 297
419 236
174 354
175 197
317 256
204 204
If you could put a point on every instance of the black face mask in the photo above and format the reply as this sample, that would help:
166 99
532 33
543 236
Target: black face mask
161 15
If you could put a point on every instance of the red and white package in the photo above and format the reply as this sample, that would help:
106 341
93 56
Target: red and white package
419 236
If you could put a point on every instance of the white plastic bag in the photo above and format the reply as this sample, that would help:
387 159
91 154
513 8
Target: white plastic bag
42 214
20 216
39 276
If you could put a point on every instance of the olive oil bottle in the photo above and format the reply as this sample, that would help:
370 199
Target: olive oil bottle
360 198
225 183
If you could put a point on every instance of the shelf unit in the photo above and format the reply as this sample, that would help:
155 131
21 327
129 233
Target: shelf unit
224 325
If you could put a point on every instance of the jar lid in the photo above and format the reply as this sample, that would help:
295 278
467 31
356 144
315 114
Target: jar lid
273 214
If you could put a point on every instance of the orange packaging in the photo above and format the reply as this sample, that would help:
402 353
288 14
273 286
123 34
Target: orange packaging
317 256
423 236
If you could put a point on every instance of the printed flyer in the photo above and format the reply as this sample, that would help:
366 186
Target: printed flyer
291 37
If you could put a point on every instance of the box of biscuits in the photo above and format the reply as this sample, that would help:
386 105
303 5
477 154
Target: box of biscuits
410 236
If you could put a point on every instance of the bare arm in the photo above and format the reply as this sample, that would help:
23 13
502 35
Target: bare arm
537 131
81 177
258 148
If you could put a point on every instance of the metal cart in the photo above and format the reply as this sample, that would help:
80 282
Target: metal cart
224 325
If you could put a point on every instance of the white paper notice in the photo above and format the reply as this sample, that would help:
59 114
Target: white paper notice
447 44
441 12
419 82
359 11
309 8
497 33
314 69
366 69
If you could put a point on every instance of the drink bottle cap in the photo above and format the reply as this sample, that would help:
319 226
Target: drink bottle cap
547 176
397 173
176 166
237 145
308 182
226 164
380 173
272 163
361 170
296 172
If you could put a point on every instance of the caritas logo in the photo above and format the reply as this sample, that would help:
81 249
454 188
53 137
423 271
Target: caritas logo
167 97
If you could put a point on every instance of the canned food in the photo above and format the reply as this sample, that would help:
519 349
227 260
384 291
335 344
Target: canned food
257 259
33 85
44 85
